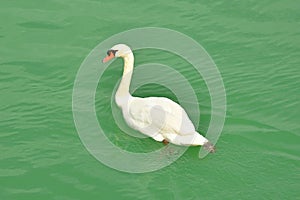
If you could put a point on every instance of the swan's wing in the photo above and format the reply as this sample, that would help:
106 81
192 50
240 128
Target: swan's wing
158 114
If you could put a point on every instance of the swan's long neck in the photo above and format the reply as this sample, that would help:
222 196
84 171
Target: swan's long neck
122 93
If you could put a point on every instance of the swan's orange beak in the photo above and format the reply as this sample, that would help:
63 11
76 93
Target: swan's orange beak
108 57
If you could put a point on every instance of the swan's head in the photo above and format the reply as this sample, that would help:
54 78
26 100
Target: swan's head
119 50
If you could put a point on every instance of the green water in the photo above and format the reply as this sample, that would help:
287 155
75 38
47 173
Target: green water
255 45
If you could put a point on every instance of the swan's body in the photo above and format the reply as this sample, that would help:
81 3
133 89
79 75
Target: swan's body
158 117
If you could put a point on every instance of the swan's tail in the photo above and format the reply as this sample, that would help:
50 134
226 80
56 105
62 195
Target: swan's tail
209 147
200 140
194 139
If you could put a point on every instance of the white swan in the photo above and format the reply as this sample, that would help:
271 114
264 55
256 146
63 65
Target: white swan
158 117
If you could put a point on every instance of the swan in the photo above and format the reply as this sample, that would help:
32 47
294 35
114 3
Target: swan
157 117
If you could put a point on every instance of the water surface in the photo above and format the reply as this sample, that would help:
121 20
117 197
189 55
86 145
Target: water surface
256 47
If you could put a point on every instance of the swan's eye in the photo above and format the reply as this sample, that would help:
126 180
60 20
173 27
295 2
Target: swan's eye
111 51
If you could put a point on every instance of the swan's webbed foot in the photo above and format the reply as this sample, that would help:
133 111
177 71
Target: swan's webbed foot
209 147
165 142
